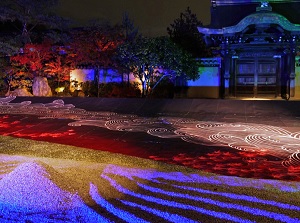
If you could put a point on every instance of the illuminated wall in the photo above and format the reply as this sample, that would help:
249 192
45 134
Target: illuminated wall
209 77
78 76
208 84
109 75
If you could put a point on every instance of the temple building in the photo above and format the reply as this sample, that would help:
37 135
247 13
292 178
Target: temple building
258 43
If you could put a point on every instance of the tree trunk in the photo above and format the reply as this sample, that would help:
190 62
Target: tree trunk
97 80
144 88
128 81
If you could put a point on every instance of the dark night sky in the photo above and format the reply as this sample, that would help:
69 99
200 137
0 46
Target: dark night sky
151 16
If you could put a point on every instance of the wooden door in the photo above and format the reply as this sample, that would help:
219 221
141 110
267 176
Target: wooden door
256 77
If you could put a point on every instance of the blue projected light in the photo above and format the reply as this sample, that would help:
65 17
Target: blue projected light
254 211
112 209
209 77
33 191
242 197
195 178
174 204
167 216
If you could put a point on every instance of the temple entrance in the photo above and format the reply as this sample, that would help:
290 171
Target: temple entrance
256 77
258 52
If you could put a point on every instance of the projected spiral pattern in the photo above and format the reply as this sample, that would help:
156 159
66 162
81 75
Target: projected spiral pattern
292 160
162 132
272 140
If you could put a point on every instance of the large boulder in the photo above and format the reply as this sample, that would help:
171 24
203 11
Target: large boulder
40 87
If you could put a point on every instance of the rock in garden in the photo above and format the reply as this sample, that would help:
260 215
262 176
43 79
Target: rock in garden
40 87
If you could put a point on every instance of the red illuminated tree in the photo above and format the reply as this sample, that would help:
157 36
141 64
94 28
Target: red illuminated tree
60 64
95 46
33 58
27 65
43 60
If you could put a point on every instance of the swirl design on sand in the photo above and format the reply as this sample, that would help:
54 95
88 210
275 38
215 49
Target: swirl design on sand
271 140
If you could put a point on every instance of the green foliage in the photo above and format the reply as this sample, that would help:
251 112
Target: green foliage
185 33
18 78
14 75
159 56
3 86
112 89
175 60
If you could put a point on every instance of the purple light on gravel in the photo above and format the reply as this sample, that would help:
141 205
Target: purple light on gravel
28 194
253 211
124 215
154 176
174 204
167 216
242 197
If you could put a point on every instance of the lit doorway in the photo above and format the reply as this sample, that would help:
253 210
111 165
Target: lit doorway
256 77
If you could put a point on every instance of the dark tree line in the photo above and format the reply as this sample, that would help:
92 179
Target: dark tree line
36 42
184 32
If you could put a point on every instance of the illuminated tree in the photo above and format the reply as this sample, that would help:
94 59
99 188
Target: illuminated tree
95 46
60 64
26 22
158 57
184 32
33 57
28 64
44 60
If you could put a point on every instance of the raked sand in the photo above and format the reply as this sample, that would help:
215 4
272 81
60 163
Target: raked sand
44 182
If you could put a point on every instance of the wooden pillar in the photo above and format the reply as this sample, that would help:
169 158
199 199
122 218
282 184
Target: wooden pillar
233 76
292 73
291 66
256 71
227 64
225 78
284 73
278 74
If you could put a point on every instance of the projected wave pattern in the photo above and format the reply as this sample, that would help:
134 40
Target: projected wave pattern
198 205
148 195
271 140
